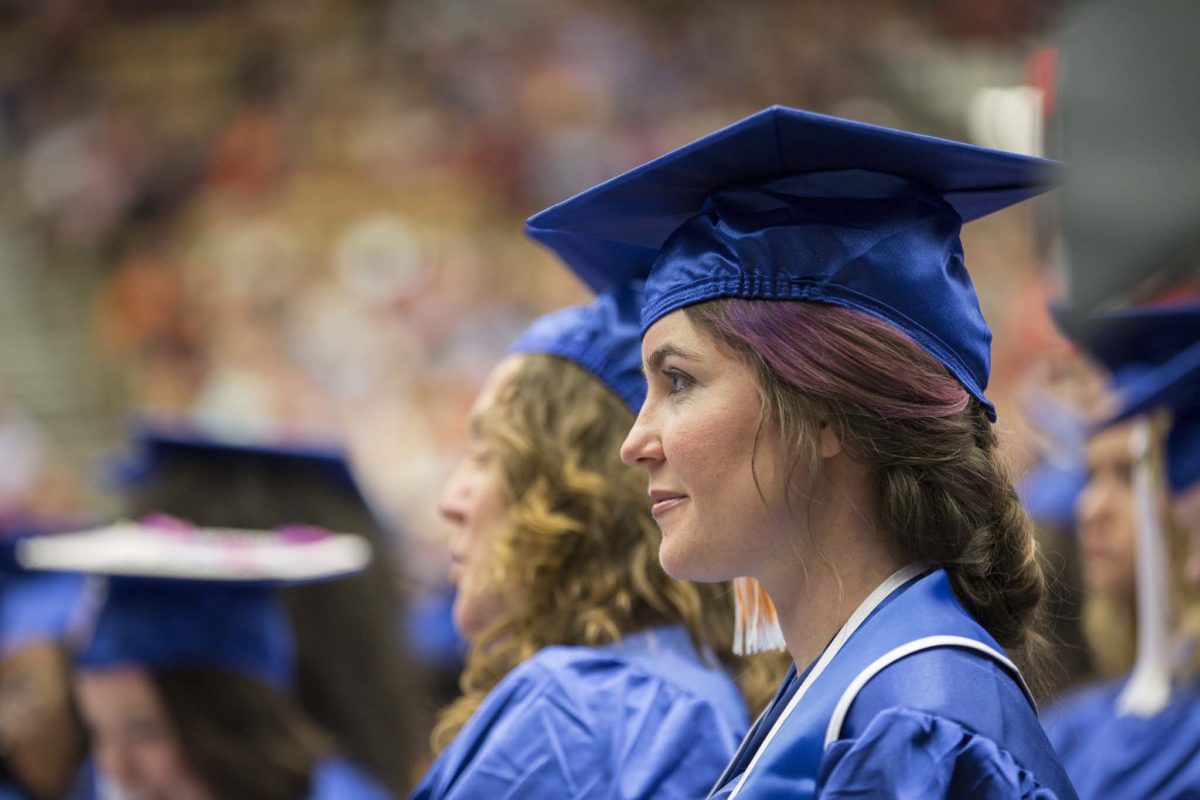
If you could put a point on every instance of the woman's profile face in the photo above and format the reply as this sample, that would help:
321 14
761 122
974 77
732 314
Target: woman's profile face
1106 528
695 437
475 503
134 743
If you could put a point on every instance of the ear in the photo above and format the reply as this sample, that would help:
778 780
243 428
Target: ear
829 444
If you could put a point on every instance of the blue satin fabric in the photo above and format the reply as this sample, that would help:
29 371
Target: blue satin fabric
875 243
337 779
644 718
942 723
1155 758
603 337
790 205
905 753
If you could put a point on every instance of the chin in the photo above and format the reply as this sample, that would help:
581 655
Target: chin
461 619
685 566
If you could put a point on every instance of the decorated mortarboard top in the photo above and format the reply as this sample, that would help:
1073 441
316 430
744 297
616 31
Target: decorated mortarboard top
788 204
1153 356
178 596
603 337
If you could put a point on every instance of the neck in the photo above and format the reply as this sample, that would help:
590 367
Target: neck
824 575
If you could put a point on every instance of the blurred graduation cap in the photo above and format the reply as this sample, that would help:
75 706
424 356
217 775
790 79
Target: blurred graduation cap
791 205
157 444
177 596
1128 119
1153 355
603 337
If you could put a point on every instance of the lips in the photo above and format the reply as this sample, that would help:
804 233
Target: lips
665 501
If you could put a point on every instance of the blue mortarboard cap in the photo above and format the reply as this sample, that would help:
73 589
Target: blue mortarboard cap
1133 342
1153 355
162 623
787 204
1174 385
178 596
604 338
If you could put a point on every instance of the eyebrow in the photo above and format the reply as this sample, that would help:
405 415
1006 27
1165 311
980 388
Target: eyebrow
661 354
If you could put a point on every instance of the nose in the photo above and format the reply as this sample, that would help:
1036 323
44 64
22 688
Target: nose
643 446
452 505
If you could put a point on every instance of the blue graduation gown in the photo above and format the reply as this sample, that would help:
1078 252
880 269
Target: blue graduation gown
912 699
337 779
1110 756
642 718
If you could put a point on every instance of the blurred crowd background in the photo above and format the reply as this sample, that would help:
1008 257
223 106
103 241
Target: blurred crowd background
302 220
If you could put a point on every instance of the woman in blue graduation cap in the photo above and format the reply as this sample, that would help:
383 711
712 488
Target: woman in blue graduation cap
1137 733
185 672
353 677
590 672
816 427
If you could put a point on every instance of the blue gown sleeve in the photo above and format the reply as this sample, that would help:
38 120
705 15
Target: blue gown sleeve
1108 755
594 728
9 791
959 722
905 753
337 779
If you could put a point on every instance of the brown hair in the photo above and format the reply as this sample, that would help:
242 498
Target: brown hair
943 491
244 740
578 559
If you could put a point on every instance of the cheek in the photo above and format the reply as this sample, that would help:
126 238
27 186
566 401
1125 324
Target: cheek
164 769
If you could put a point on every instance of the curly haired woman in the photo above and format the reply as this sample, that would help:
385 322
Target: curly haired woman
591 673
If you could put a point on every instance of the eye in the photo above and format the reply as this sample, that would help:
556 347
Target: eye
479 454
678 381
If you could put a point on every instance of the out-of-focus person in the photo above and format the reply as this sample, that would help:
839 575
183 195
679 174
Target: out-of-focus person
354 677
1137 732
590 673
185 666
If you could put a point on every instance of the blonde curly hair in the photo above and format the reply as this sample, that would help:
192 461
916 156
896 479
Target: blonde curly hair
577 560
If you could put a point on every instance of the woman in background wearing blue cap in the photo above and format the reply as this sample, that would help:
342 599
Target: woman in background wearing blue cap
183 677
816 421
352 674
1137 733
590 673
